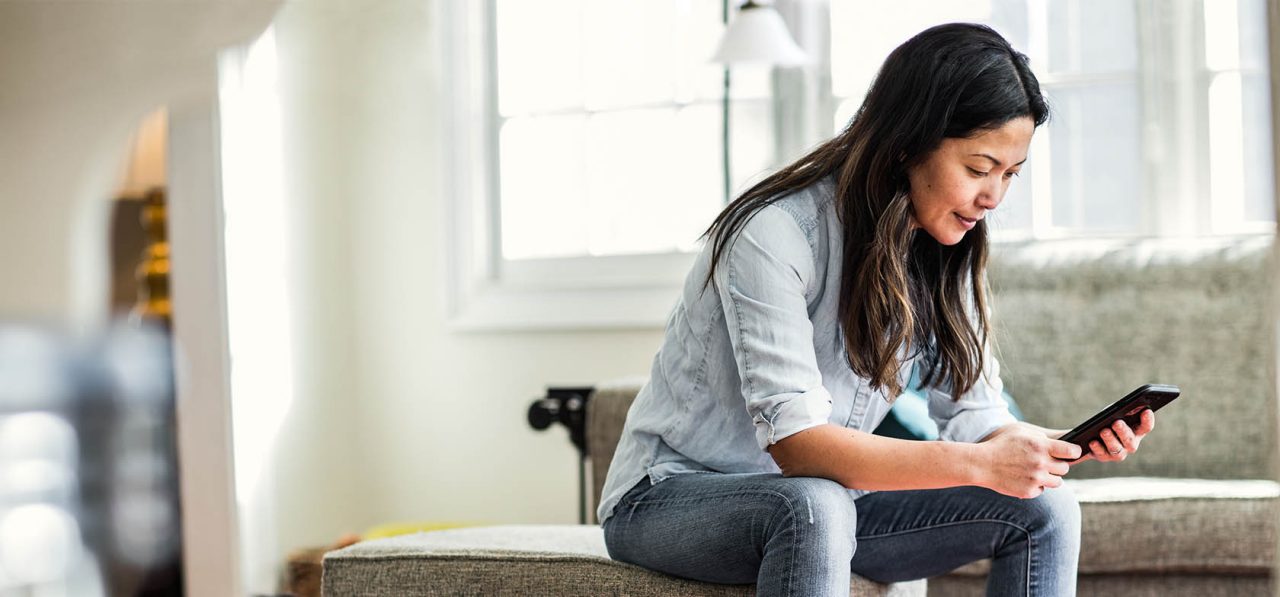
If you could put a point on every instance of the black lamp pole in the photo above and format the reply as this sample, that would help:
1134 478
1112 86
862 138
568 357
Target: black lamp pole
728 184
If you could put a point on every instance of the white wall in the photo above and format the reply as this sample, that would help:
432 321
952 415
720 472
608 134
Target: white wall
442 434
395 416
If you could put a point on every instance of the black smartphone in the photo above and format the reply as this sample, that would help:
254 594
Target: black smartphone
1129 408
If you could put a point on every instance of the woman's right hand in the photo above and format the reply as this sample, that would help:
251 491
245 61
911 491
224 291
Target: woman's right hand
1021 461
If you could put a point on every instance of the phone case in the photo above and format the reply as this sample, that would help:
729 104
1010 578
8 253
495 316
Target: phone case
1129 408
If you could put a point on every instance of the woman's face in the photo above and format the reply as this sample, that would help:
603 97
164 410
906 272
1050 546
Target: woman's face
963 179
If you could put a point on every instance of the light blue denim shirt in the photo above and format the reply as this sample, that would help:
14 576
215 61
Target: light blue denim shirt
760 356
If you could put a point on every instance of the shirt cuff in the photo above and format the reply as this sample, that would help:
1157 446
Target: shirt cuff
792 415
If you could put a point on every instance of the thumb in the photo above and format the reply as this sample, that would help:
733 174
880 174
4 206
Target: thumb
1064 450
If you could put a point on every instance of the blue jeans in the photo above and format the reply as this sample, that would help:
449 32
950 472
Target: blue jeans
805 536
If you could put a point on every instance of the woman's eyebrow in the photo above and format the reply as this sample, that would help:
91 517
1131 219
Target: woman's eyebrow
994 160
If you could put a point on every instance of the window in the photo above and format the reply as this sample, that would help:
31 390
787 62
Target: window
588 156
609 125
1239 115
585 134
1161 112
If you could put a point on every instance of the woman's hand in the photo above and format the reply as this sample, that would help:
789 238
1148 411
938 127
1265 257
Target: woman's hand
1120 441
1021 461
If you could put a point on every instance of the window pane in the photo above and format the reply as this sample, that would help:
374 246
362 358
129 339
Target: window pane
539 48
544 198
1092 36
696 184
653 179
633 53
1096 157
862 36
1253 34
1221 35
1259 203
751 136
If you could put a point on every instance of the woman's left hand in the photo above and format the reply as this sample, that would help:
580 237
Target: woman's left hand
1120 441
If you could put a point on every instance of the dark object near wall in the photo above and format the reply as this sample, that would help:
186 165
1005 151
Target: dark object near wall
567 406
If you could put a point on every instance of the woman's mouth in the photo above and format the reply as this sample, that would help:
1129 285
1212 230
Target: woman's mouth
968 223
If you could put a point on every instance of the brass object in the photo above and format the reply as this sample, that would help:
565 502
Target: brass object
152 275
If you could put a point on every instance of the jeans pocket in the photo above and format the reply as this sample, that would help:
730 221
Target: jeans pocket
636 492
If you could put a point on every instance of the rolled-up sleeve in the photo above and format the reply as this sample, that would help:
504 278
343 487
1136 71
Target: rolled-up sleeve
977 413
762 281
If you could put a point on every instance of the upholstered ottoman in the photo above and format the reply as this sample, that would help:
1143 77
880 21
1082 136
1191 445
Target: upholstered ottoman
519 560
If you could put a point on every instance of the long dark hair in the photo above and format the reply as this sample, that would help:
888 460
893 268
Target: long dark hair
899 287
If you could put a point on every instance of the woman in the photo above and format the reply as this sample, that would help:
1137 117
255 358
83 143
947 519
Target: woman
748 456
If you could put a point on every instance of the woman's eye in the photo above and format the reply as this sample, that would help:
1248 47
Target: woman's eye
977 173
1010 174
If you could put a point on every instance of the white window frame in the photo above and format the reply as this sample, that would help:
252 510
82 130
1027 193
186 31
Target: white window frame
485 292
638 291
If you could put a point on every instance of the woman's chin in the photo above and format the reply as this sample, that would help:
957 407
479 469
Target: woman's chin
945 237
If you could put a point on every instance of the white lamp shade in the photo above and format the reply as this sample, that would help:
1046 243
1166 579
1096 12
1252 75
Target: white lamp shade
758 35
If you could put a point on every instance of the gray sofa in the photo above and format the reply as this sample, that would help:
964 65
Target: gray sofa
1078 325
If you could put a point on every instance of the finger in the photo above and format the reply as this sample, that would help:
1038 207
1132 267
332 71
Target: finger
1099 453
1064 450
1114 447
1058 467
1147 421
1126 436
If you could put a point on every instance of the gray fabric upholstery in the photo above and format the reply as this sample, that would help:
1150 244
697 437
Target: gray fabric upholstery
519 560
1081 324
1147 525
1135 585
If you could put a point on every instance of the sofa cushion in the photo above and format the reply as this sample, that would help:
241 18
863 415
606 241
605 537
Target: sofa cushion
518 560
1081 323
1149 525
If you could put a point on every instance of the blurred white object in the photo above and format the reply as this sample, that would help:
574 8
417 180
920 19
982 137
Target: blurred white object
39 543
758 36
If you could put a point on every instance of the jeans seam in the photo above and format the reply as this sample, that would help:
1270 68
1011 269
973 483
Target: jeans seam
721 494
946 524
1031 554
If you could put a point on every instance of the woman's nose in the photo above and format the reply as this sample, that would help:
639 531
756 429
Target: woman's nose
990 198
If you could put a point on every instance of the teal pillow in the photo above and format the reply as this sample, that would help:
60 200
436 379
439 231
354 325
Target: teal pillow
909 417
